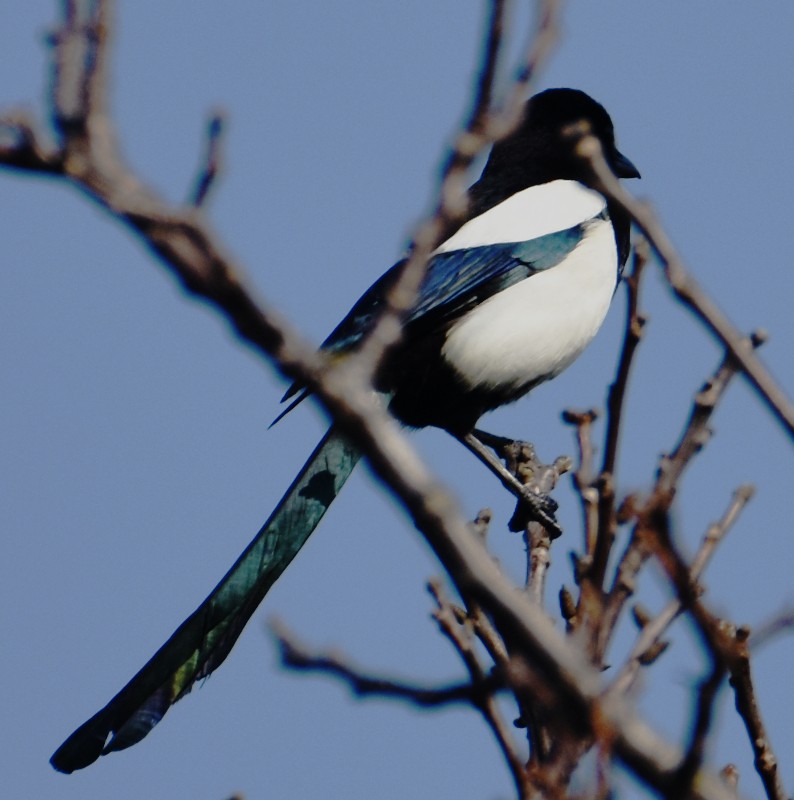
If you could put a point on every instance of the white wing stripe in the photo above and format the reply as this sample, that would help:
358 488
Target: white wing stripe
528 214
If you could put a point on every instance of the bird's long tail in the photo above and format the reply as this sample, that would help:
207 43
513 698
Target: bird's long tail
204 639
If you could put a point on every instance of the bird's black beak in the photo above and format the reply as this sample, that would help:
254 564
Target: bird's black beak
622 167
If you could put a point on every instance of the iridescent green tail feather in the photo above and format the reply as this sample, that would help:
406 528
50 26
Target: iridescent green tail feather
204 639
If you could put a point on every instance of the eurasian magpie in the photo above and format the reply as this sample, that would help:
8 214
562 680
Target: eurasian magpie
508 301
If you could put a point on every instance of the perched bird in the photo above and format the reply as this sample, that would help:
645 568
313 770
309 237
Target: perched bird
509 300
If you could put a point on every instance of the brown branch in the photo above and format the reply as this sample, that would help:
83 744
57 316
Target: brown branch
697 431
568 608
540 479
694 436
295 656
79 75
729 651
633 559
741 681
683 285
606 517
635 324
654 629
538 544
460 635
590 567
485 632
655 522
583 476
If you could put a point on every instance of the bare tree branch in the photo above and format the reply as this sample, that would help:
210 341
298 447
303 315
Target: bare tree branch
697 431
741 681
727 647
635 324
653 630
462 640
295 656
682 283
694 436
583 476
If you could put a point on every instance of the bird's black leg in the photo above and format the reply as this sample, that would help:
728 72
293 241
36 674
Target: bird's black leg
534 502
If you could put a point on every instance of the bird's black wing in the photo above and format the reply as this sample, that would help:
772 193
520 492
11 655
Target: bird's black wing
455 282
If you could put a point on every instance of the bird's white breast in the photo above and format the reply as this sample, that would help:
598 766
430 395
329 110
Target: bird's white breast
537 327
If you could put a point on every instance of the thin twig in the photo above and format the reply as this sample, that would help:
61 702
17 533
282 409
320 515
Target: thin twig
484 630
741 681
694 436
697 431
583 475
715 635
728 649
460 635
538 543
606 515
635 324
654 629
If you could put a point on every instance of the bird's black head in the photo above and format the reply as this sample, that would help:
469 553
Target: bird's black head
538 151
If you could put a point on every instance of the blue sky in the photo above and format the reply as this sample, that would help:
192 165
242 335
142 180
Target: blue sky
135 458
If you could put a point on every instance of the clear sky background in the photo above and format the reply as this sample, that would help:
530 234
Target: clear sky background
135 460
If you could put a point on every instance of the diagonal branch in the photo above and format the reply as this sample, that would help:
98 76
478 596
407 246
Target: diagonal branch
654 629
697 431
462 639
694 436
683 285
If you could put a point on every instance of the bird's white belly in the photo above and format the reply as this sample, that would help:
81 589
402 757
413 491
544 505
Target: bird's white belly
536 328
